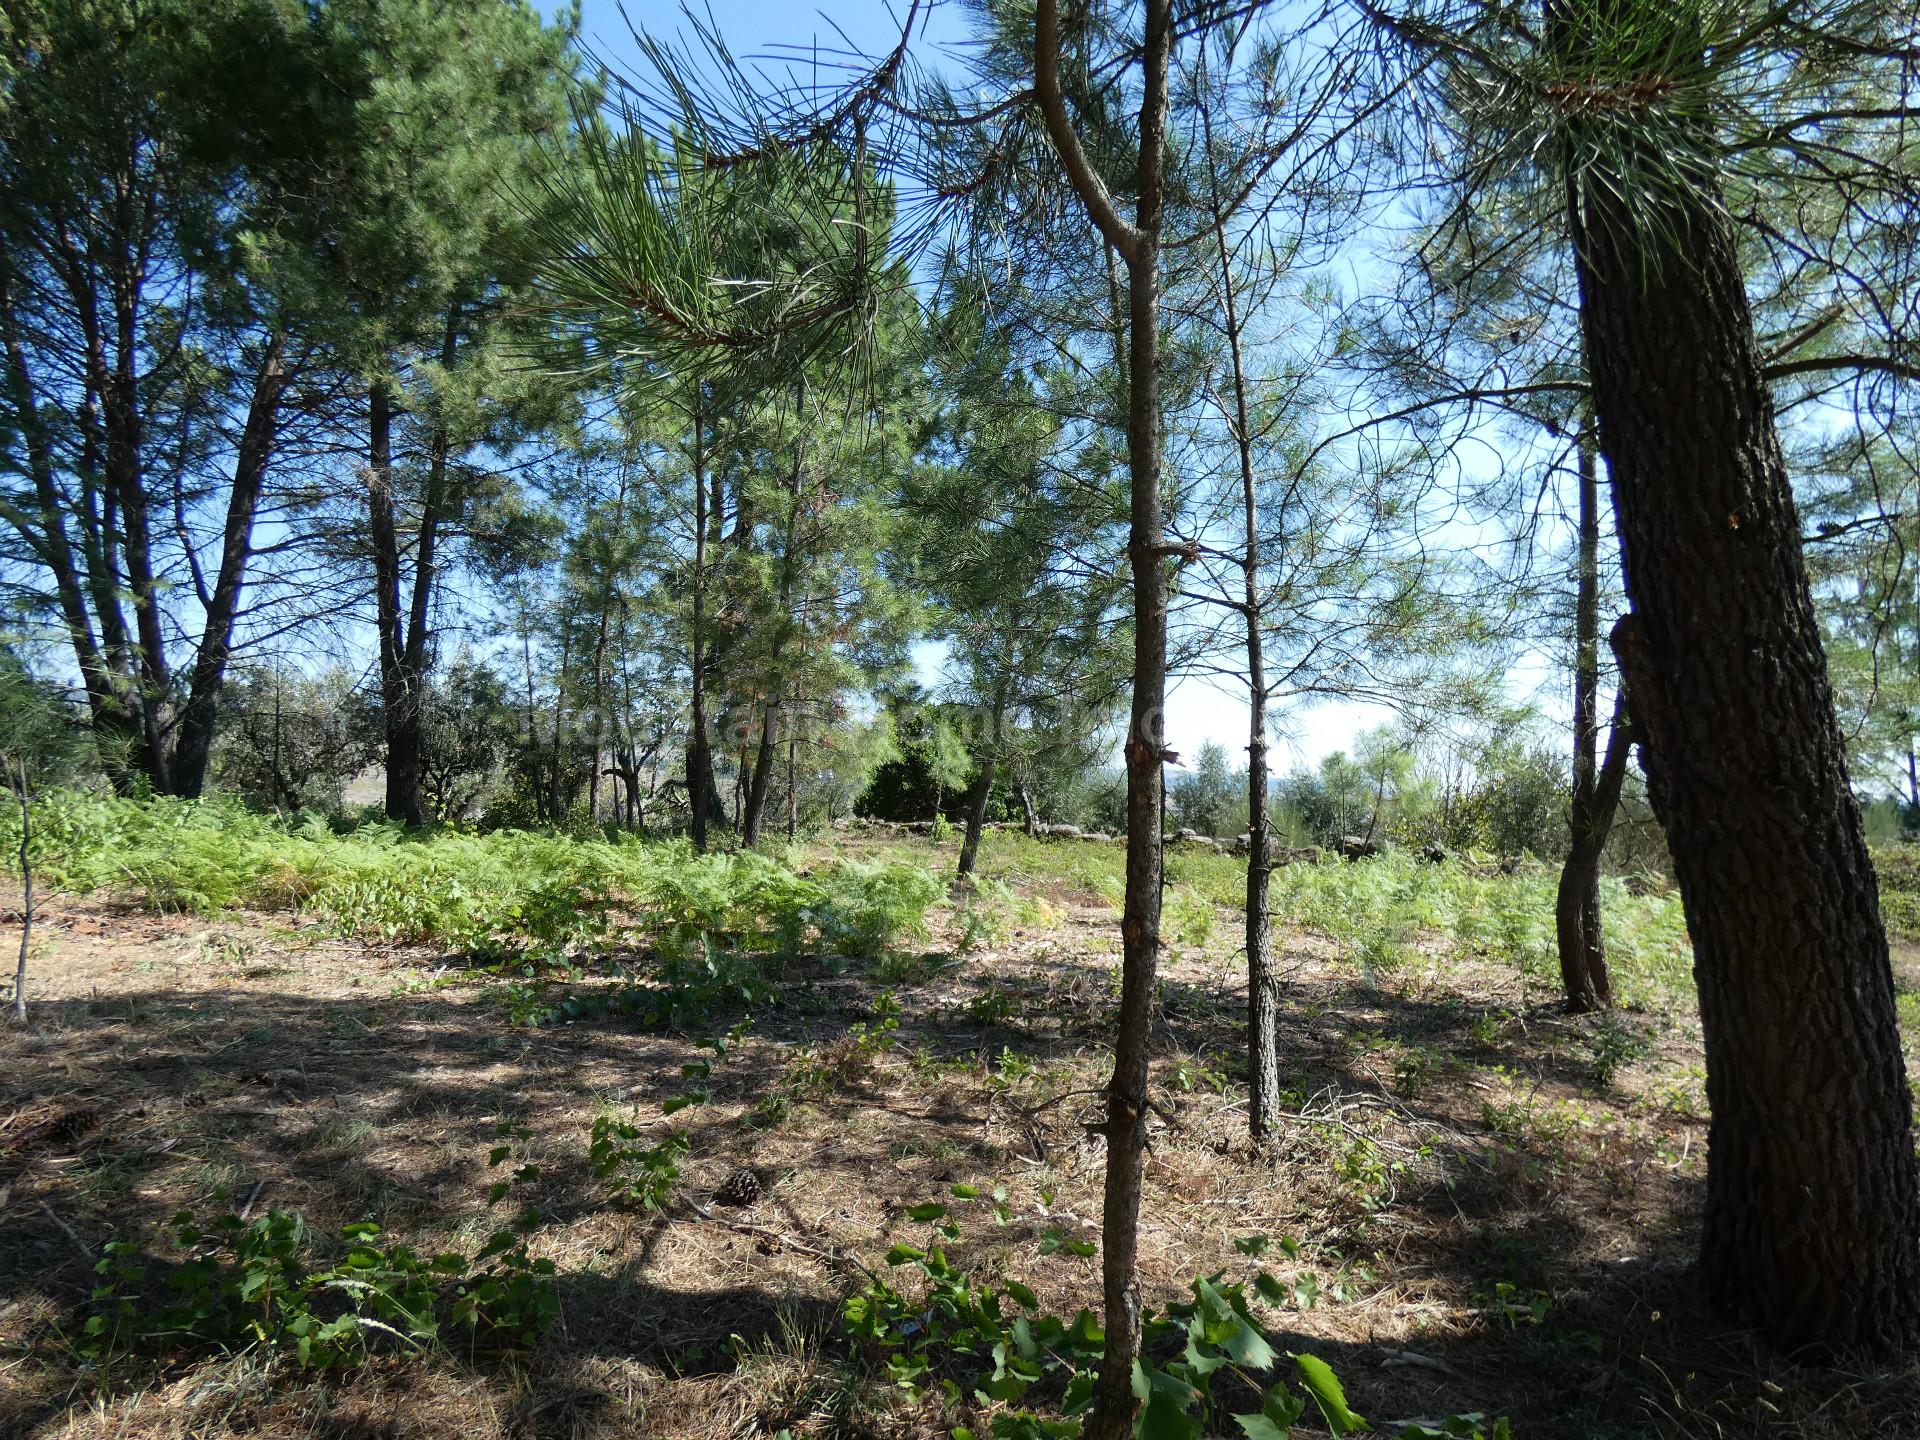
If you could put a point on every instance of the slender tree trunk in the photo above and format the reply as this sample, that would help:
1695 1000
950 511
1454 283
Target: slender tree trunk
113 720
557 772
699 762
255 452
26 896
98 518
124 427
978 794
981 791
1577 904
1139 245
1145 755
1810 1225
403 752
1263 986
754 812
600 664
793 756
406 714
1583 956
599 723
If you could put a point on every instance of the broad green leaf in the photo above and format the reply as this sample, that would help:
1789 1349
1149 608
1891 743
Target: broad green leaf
1321 1383
1164 1418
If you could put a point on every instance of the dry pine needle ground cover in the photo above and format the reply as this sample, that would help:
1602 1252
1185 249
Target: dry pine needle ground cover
1476 1204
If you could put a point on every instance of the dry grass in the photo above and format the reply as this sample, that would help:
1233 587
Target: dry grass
1457 1150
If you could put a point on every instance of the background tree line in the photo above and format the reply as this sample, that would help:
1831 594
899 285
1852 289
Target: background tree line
619 442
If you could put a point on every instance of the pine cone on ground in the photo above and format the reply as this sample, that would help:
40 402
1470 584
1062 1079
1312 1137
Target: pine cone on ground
742 1187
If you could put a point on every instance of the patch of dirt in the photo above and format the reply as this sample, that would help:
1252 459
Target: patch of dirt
1483 1211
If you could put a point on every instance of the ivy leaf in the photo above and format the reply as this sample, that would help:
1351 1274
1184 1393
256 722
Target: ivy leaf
1321 1383
1280 1411
1166 1419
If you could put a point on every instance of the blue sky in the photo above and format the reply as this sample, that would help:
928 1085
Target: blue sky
773 35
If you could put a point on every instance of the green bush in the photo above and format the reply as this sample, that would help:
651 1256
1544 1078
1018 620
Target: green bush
506 895
1898 867
867 906
1377 908
258 1284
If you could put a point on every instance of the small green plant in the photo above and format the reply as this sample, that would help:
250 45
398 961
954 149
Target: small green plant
992 1006
1192 1075
1489 1028
641 1174
1412 1068
1513 1306
1186 916
1011 1068
644 1175
865 908
993 1345
1380 954
852 1057
258 1284
985 909
1616 1045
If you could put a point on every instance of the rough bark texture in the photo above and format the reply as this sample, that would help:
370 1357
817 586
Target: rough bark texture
1583 957
1809 1230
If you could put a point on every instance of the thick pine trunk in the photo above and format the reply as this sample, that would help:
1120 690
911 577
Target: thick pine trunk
1809 1231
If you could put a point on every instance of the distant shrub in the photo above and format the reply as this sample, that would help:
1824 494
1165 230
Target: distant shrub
505 895
1186 916
867 906
1898 867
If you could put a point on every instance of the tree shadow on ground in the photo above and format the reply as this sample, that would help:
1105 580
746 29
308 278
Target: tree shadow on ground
359 1104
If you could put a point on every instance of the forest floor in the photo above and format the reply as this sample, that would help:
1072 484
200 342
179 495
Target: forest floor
1475 1203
